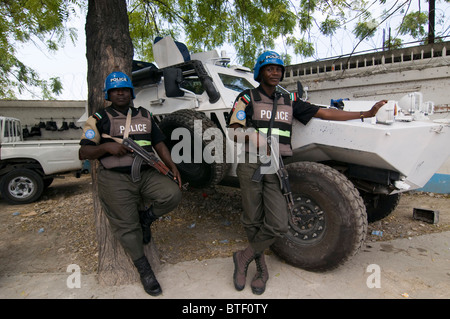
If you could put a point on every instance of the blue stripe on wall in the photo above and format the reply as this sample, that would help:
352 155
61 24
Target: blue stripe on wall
439 183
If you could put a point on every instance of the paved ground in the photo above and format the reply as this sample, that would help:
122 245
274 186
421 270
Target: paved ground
413 268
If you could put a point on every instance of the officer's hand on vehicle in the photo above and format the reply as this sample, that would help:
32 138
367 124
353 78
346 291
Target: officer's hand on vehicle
373 111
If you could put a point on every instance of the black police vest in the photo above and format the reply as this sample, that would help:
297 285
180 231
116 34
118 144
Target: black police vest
282 125
140 131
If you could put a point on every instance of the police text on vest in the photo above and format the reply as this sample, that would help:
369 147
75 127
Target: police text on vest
281 115
134 128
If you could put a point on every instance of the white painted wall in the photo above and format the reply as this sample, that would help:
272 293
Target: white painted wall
383 75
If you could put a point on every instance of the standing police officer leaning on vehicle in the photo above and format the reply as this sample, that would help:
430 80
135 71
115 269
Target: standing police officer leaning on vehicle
120 195
265 211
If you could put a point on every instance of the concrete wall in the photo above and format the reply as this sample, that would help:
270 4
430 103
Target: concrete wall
383 75
31 113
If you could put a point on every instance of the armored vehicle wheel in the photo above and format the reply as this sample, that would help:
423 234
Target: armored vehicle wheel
379 206
328 224
21 186
193 167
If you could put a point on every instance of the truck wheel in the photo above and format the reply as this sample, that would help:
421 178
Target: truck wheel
22 186
379 206
194 170
328 224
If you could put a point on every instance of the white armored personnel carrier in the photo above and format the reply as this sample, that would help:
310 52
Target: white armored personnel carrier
342 174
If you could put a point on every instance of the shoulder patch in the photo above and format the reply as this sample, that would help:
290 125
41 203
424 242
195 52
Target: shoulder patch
240 115
246 99
294 96
90 130
90 134
97 116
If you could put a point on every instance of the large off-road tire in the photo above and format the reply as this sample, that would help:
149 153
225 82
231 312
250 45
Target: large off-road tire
328 224
21 186
379 206
198 174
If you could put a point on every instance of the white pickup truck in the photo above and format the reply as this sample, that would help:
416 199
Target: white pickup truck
28 167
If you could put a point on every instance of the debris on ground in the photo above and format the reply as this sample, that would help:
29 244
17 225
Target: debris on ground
205 225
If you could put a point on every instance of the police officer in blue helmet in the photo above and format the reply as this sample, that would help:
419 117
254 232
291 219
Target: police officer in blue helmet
265 211
268 58
118 80
122 193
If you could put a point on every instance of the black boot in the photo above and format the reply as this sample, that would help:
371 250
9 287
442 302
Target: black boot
146 217
25 132
73 126
51 126
35 131
64 126
148 279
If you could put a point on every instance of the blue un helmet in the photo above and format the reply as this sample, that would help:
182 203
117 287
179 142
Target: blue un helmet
117 80
268 57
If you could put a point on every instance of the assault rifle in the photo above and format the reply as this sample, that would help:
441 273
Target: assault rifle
282 172
276 164
141 155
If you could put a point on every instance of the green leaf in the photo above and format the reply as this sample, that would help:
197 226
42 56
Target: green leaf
414 24
32 21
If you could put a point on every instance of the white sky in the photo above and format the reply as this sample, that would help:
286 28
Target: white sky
70 65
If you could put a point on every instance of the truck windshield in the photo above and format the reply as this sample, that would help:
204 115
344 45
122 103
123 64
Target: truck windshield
235 83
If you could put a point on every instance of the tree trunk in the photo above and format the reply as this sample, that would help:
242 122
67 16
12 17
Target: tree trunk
108 49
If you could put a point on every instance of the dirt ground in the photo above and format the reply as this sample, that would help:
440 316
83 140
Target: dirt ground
58 230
